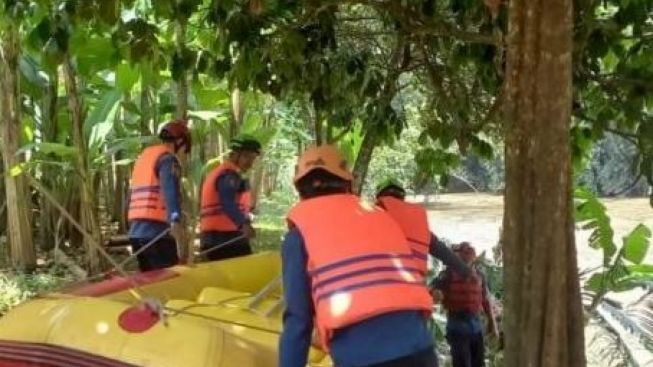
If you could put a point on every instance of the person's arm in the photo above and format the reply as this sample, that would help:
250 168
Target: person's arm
439 285
298 316
168 170
441 252
228 186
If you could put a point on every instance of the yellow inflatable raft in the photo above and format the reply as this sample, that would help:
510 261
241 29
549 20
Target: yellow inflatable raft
216 314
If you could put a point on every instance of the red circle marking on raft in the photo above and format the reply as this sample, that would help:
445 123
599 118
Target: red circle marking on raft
138 319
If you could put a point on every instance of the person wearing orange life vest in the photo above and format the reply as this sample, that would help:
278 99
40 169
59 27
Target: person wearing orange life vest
464 299
226 202
349 273
155 199
412 219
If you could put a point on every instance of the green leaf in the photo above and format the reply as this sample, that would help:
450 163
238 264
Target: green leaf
126 77
208 98
17 170
92 53
61 150
103 110
636 244
596 282
641 268
99 133
205 115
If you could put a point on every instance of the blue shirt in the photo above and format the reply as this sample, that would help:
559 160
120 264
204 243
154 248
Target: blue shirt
382 338
166 168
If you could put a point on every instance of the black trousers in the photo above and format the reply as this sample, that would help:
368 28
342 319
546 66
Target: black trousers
424 358
162 254
234 249
467 350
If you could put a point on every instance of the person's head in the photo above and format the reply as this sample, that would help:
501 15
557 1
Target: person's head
390 187
321 170
465 251
244 151
176 134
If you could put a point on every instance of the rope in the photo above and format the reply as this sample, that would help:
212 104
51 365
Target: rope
136 290
147 245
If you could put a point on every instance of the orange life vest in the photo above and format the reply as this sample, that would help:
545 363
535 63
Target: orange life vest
212 217
145 197
359 262
414 224
463 294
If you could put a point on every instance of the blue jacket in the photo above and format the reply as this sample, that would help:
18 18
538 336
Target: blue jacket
165 168
376 340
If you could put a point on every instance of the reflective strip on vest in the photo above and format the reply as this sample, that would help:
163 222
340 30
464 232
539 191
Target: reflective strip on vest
145 198
360 264
212 217
463 294
413 221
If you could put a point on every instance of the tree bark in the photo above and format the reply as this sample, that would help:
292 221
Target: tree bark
184 248
146 109
47 214
363 160
543 314
89 218
18 203
317 122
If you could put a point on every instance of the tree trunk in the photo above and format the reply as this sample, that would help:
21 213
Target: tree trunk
184 248
88 211
48 214
146 109
543 314
363 160
317 122
18 202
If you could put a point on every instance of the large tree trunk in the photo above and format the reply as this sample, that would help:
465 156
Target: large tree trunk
18 202
543 314
89 218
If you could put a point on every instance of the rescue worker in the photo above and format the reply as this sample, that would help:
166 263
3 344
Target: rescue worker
413 220
348 270
464 299
226 203
155 198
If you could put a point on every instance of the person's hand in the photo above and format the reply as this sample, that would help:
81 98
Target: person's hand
248 231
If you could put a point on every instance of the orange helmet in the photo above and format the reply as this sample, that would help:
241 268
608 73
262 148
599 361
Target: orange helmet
177 131
326 157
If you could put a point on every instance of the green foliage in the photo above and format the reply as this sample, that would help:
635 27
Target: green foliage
622 266
17 287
